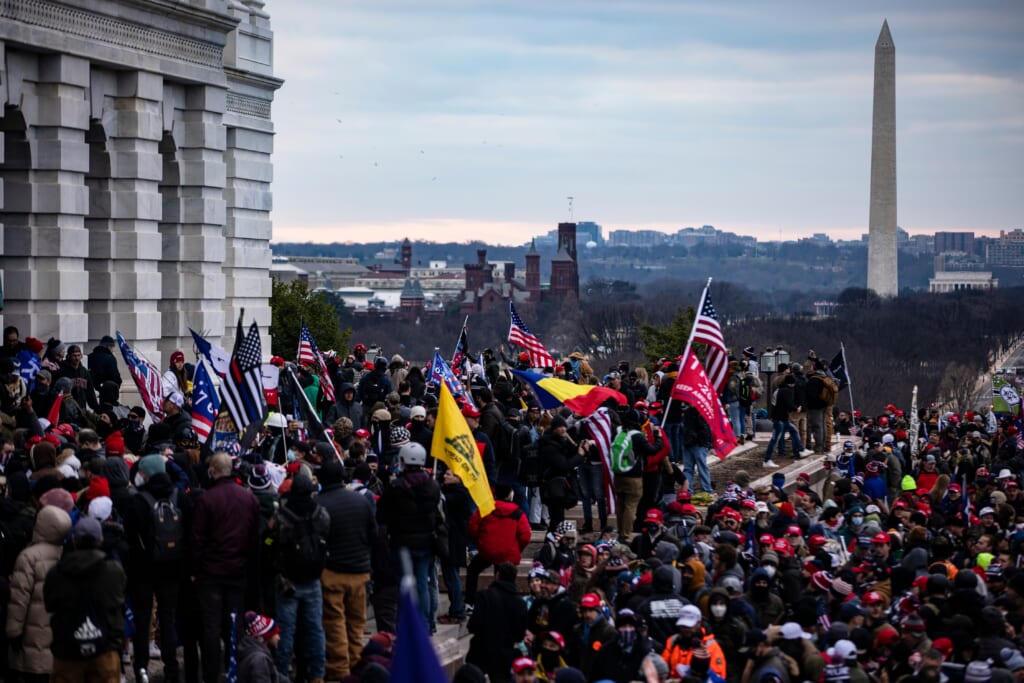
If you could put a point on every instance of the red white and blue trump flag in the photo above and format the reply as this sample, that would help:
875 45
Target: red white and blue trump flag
147 378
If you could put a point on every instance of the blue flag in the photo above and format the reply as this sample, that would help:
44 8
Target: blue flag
205 402
216 356
415 659
441 373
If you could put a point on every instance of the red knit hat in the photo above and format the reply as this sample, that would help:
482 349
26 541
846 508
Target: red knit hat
259 626
98 487
115 444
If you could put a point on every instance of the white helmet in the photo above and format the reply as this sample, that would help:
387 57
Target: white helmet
277 420
413 453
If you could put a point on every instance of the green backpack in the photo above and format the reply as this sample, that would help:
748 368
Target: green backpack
623 457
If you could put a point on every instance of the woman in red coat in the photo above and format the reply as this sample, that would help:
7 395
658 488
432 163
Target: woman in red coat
500 537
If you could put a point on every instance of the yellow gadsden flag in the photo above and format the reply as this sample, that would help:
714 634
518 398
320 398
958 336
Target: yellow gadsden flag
455 446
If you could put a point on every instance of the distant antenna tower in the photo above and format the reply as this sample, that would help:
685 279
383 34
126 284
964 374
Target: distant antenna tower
570 208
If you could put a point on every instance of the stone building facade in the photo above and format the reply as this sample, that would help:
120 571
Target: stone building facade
135 173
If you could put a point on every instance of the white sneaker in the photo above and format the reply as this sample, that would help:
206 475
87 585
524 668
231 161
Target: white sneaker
154 650
805 452
769 465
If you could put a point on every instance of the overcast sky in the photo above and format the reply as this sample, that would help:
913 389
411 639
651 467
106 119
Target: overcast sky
462 120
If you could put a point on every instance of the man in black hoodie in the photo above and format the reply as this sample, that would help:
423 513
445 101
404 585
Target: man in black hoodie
497 624
102 363
346 406
86 650
156 570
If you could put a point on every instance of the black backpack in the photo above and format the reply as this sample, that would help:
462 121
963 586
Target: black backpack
81 632
373 389
531 470
302 543
168 542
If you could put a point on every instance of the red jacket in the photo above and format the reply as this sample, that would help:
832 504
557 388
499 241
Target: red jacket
502 535
653 463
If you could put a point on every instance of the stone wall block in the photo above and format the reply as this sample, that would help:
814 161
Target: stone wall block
136 203
63 112
60 198
140 84
145 123
246 195
255 226
249 256
17 196
203 210
143 165
250 140
250 166
207 98
67 155
207 134
203 173
59 68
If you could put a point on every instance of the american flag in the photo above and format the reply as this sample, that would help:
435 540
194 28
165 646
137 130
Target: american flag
519 335
205 402
706 330
461 349
599 425
243 387
147 378
310 354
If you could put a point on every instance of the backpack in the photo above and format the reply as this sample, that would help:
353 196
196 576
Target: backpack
302 543
531 469
746 394
168 528
373 390
623 456
80 632
829 391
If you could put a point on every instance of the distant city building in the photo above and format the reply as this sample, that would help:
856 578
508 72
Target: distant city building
1008 250
636 238
589 231
954 241
825 309
957 280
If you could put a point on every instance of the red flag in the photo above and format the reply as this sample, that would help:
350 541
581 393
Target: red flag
54 416
692 386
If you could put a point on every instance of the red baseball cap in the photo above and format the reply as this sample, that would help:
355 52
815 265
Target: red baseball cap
817 540
469 410
654 516
522 664
590 601
688 509
748 503
555 636
886 637
871 598
881 537
766 539
793 530
684 496
781 545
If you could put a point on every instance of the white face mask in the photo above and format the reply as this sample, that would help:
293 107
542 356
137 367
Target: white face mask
770 569
718 610
139 481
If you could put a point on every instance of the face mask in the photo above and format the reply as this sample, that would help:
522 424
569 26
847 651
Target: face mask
290 455
627 638
718 611
549 659
770 570
653 529
856 520
139 481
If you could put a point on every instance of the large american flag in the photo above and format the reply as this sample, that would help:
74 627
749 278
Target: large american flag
706 330
243 387
520 336
310 354
147 378
599 425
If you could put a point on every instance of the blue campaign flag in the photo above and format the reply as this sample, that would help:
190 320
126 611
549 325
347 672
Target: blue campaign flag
441 373
205 402
216 356
415 659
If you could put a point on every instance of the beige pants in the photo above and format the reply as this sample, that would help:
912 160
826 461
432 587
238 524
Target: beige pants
344 620
628 491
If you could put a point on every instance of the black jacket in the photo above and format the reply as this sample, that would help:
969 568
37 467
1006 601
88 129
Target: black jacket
353 529
617 665
409 507
89 571
785 403
497 624
103 366
138 528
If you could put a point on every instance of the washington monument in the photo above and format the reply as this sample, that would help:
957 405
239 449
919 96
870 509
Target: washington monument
883 277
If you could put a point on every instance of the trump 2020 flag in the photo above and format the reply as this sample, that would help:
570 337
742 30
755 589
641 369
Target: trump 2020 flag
693 387
205 402
147 378
455 446
441 374
415 659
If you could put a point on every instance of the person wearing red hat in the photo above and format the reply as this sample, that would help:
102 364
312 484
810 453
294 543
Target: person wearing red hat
524 670
551 655
593 632
653 533
255 660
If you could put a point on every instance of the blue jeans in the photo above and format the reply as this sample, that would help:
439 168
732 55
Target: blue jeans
302 608
696 457
736 418
456 606
592 488
779 428
674 432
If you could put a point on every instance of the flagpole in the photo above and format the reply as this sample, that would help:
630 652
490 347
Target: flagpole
689 342
465 323
849 382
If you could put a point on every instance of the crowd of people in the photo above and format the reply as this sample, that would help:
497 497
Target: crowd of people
125 540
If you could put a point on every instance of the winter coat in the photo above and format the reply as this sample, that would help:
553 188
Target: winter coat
497 624
27 617
220 549
255 663
457 506
86 570
353 409
82 388
353 529
409 507
785 403
138 528
502 535
103 366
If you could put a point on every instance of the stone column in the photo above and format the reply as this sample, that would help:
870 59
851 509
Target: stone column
124 239
194 240
46 200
